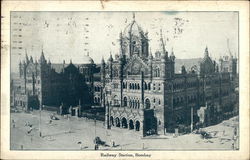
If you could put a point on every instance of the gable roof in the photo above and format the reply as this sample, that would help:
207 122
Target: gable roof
59 66
188 63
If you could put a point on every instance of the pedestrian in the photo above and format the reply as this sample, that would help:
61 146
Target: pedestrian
113 144
50 121
96 146
223 133
13 123
80 143
30 129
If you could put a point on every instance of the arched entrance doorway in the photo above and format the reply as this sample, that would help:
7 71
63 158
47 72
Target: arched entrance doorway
117 122
137 126
131 124
112 121
147 104
124 123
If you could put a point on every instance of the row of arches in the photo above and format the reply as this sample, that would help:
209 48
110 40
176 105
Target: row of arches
124 123
135 102
181 100
136 86
132 103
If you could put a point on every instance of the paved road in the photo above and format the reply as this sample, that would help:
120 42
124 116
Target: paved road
65 134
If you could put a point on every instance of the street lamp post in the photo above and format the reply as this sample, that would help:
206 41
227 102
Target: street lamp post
40 117
191 119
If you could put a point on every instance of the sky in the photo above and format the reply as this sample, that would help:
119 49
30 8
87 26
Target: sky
70 35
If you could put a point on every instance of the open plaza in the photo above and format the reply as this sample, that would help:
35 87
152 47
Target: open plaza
79 133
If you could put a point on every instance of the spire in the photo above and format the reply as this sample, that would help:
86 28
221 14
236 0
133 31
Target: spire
172 52
70 61
103 62
31 59
206 52
162 45
42 58
110 57
172 56
26 55
133 16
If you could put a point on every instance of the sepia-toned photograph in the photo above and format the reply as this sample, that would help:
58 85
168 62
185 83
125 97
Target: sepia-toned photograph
124 81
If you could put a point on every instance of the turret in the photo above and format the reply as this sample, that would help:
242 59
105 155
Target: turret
121 62
49 63
110 58
150 62
42 58
63 66
183 70
20 68
206 54
172 63
172 56
110 67
31 59
26 57
103 69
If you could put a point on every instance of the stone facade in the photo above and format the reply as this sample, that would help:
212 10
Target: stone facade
43 83
143 93
139 91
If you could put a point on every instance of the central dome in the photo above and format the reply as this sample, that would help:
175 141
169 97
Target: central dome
85 59
133 28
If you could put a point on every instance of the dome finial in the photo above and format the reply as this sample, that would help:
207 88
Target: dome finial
134 16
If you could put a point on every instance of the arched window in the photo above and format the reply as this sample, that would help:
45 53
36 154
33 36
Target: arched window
145 86
125 101
137 126
116 101
157 72
138 86
123 85
147 103
149 86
